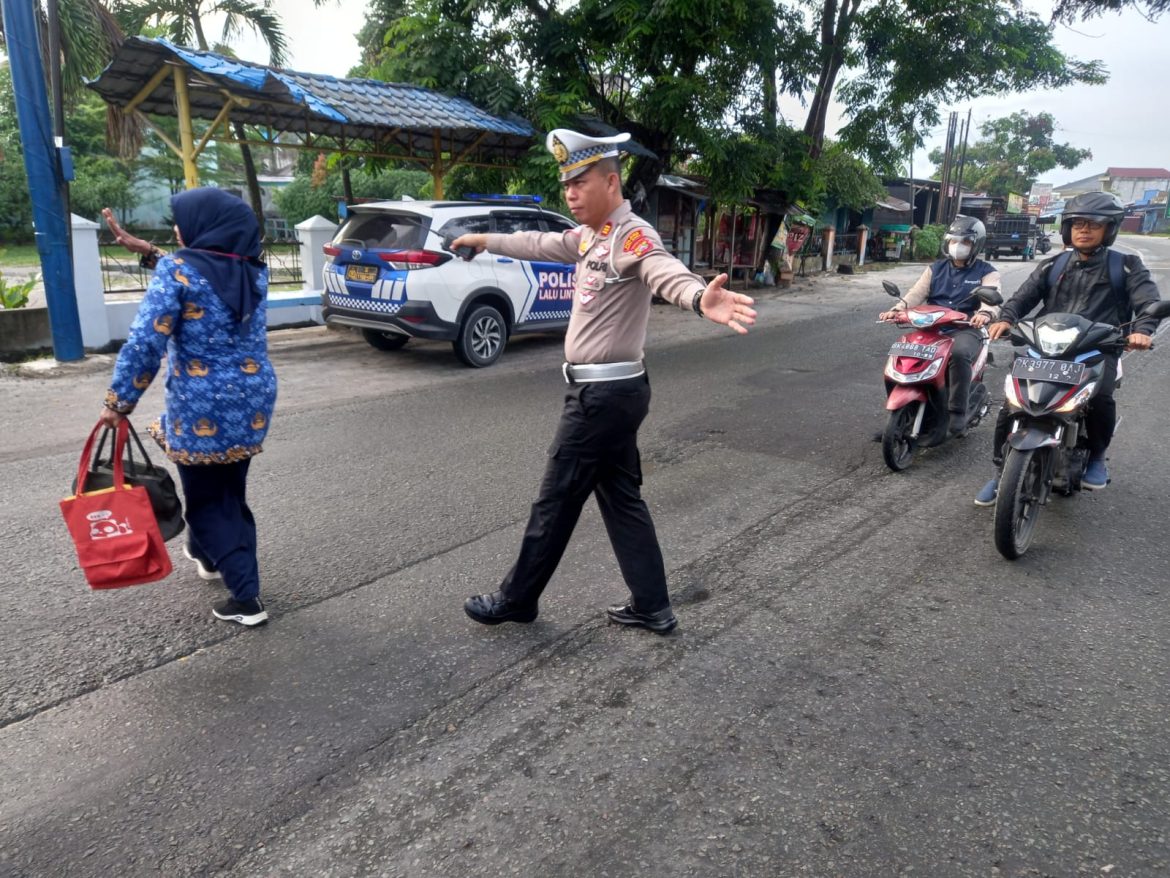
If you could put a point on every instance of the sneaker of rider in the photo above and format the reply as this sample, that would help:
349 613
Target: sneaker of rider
204 570
986 497
958 425
1096 475
248 613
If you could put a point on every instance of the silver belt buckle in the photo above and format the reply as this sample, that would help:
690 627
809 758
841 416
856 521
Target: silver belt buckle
567 371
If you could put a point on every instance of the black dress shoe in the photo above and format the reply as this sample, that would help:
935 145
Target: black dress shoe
958 425
494 608
660 622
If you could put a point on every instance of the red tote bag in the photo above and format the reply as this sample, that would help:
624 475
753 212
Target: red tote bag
115 532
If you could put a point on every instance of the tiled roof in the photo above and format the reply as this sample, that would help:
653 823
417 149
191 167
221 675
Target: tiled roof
400 117
1139 173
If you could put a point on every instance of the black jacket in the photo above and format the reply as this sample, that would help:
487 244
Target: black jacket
1085 290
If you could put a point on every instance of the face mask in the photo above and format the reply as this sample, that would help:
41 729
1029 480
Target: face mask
958 250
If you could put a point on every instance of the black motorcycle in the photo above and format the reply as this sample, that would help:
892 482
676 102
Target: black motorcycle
1048 394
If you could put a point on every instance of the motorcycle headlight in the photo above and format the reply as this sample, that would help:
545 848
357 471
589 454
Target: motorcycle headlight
1009 393
924 318
1053 342
1079 398
911 377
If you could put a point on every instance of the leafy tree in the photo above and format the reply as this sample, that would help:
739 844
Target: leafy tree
15 208
306 196
1069 11
703 77
1014 152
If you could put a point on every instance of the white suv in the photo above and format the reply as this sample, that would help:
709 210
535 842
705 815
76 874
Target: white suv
390 275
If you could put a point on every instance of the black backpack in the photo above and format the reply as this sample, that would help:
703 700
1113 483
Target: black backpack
1116 265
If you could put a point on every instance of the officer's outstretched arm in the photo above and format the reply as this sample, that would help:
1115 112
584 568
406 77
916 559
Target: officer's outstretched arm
721 305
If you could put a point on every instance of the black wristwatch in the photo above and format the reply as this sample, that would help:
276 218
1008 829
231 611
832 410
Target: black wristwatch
150 260
695 302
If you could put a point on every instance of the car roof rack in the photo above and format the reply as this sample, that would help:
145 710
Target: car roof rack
504 199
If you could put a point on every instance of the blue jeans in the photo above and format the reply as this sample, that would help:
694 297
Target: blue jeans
221 530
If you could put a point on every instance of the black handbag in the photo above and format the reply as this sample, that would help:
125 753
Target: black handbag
164 497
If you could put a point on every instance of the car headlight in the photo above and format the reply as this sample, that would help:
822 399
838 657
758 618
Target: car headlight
1053 342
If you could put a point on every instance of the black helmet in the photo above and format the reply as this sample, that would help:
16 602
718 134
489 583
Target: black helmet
1099 207
969 229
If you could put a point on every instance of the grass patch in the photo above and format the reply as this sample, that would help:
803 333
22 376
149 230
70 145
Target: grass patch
19 254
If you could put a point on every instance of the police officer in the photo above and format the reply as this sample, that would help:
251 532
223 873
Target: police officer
621 263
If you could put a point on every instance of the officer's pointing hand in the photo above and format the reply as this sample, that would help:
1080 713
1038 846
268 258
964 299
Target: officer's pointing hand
476 242
721 305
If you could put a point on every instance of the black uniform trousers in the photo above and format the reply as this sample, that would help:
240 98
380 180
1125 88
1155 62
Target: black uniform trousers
1100 419
595 451
965 347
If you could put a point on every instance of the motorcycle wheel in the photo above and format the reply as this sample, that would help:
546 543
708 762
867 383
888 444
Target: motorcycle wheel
897 444
1017 506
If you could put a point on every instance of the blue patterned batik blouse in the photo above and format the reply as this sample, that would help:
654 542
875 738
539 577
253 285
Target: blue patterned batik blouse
220 387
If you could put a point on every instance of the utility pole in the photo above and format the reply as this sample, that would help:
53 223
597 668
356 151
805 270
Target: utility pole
46 180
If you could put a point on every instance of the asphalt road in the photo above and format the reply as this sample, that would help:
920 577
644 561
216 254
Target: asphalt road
860 685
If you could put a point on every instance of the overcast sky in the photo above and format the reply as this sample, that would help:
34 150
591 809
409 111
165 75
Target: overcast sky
1125 123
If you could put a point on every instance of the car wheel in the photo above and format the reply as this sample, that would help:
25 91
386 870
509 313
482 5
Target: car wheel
385 341
482 337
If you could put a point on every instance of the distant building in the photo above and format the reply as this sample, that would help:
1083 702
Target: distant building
1129 184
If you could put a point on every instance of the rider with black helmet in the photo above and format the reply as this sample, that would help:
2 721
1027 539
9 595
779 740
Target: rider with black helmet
1089 224
950 282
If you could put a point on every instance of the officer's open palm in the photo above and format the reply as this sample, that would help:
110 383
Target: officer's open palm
721 305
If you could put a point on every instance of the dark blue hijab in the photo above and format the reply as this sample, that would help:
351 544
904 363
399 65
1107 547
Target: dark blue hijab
221 238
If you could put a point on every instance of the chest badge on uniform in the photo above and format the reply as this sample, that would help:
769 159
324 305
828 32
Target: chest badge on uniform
602 251
585 244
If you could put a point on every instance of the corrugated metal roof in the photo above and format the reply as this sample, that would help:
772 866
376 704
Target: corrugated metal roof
399 116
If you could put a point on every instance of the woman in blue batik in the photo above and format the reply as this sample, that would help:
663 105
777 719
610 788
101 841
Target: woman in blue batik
205 309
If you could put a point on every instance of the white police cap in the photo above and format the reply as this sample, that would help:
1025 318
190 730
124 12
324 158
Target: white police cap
575 152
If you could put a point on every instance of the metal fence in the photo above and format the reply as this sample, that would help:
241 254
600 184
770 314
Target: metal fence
121 272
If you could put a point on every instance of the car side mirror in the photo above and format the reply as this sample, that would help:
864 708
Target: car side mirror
892 289
988 296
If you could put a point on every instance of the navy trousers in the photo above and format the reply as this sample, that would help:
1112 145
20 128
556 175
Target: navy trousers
221 531
595 452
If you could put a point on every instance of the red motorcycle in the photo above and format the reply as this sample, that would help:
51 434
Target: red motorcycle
916 378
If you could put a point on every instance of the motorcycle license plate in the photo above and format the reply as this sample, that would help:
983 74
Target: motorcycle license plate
910 349
1056 371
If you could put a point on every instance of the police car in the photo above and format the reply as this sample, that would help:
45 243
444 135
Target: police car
388 274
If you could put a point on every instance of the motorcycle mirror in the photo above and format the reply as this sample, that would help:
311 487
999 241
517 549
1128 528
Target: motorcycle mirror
891 288
988 296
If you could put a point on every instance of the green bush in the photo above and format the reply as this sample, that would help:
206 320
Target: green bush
13 295
928 242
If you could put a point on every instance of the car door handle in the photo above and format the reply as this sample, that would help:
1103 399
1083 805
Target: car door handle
504 259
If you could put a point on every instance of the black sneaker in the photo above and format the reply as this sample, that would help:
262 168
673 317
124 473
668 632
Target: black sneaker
248 613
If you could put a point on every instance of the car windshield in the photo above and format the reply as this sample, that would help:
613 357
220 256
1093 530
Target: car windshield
383 231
